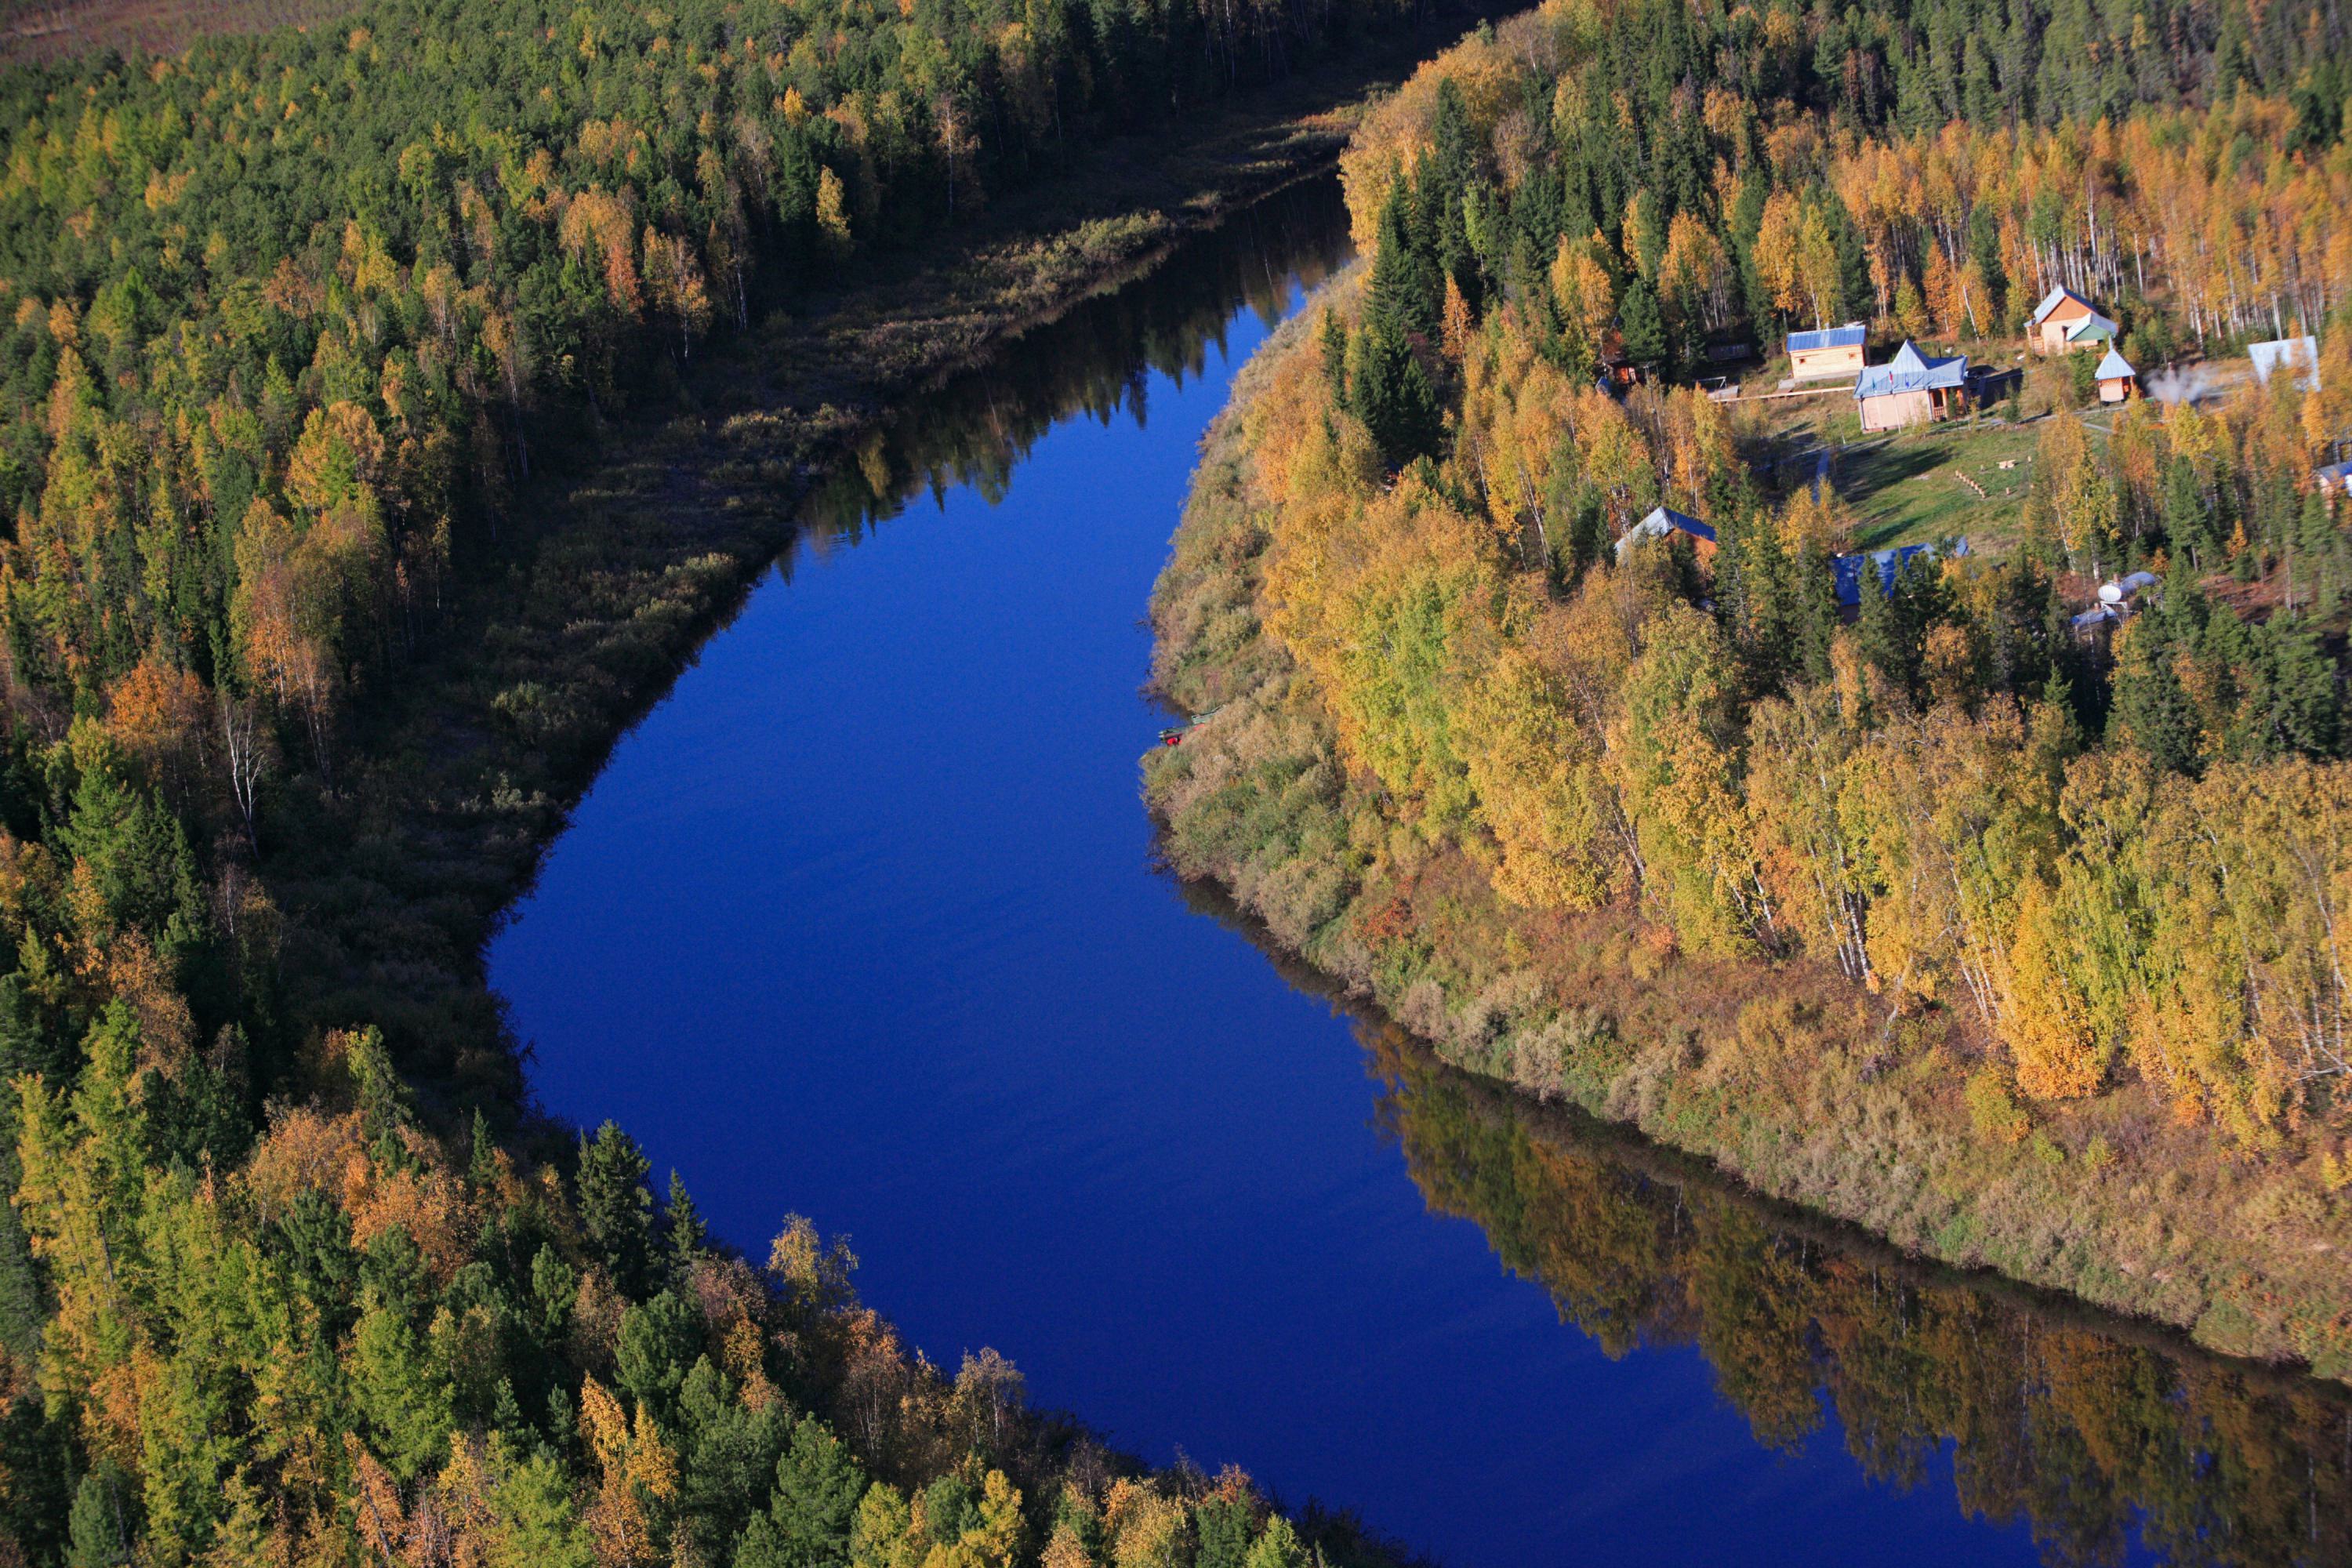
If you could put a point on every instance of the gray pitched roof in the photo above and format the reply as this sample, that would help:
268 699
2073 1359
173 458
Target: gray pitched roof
1911 370
2055 298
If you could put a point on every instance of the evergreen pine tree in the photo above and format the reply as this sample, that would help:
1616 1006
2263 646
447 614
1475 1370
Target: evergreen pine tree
482 1163
616 1208
1400 297
99 1529
687 1236
1394 396
1335 356
818 1487
1278 1546
1221 1526
1644 327
2150 704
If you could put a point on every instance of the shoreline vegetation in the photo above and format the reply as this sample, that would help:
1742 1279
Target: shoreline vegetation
2076 1422
1599 1012
1939 921
390 411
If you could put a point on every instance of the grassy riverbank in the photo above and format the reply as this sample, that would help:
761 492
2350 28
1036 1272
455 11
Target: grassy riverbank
1784 1075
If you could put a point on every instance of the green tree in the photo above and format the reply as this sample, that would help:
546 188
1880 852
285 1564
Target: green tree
404 1398
814 1507
1644 327
1393 396
616 1206
104 1521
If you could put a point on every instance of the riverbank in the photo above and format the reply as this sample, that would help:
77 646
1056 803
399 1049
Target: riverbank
638 540
1782 1076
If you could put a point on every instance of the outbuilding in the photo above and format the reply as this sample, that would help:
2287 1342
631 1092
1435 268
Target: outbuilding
1911 389
2117 381
1848 573
2298 357
2065 321
1832 354
1664 521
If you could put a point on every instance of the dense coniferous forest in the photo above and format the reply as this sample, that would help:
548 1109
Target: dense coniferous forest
291 320
2062 906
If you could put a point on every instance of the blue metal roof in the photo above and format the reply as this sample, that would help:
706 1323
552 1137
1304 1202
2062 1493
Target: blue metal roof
1852 335
1662 521
1911 370
1846 570
1685 522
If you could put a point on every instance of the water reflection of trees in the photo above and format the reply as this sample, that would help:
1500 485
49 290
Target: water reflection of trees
1093 360
2094 1432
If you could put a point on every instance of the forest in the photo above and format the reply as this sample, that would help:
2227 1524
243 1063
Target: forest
2066 906
294 320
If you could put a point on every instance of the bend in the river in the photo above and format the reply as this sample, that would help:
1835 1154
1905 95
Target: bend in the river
862 921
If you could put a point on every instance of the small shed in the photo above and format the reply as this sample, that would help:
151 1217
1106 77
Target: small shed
2093 624
2334 479
1912 389
1832 353
2299 357
2117 381
1664 521
2065 321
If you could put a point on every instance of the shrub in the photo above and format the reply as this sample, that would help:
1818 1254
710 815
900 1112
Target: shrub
1992 1110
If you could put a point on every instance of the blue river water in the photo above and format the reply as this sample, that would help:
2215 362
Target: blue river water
862 922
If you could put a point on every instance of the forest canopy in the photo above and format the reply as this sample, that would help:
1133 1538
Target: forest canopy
2104 864
285 323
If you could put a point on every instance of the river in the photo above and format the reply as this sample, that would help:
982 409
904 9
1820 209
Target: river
862 921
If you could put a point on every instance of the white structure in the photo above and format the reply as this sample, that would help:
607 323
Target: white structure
2298 356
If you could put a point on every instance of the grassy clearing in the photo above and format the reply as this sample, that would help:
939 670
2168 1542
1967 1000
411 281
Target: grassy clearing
42 30
1936 481
1928 482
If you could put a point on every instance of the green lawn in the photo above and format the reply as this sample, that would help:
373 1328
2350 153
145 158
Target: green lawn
1915 485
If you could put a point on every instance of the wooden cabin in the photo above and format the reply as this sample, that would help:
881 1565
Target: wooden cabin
2117 381
1832 354
2065 323
1912 389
